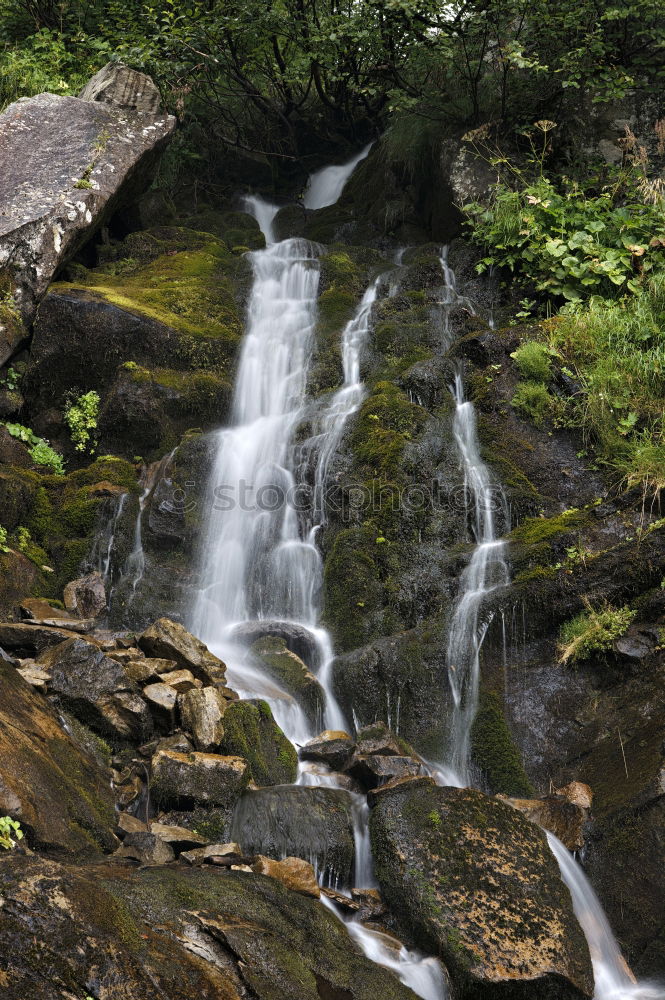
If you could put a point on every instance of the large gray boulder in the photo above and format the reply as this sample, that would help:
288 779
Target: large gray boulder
65 165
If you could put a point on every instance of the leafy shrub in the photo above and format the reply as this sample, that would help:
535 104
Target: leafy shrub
41 451
532 400
10 832
81 416
592 632
3 540
533 361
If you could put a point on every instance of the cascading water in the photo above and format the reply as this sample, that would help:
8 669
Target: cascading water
487 569
326 185
612 977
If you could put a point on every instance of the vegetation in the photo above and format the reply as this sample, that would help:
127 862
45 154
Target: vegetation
10 832
592 632
40 450
81 415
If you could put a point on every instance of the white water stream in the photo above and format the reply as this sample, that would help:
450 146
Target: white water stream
326 185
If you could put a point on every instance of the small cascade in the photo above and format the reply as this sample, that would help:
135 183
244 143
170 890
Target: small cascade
613 979
134 568
421 974
101 557
326 185
486 570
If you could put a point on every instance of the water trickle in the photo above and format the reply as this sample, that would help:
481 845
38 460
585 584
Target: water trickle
134 567
326 185
613 979
421 974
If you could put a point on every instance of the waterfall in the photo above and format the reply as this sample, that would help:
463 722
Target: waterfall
326 185
612 977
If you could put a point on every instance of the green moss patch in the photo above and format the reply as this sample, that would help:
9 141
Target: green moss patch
251 732
494 751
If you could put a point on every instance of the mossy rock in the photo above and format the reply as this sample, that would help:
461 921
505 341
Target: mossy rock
494 752
477 884
292 674
251 732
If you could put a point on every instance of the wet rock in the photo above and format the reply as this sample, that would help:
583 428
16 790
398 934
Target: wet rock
51 208
332 748
96 689
13 451
251 732
38 608
477 883
296 638
183 779
168 639
162 700
146 848
122 87
294 873
290 671
379 739
202 713
373 770
311 823
175 932
635 646
61 796
129 824
86 597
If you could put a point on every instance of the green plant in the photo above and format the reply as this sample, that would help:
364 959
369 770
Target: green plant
24 538
40 451
533 360
81 415
12 379
3 540
533 400
10 832
592 632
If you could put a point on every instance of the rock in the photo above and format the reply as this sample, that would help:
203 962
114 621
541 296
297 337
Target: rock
251 732
564 813
176 932
61 797
202 713
166 638
18 575
50 209
147 848
330 747
129 824
201 854
35 677
122 87
635 646
373 770
82 626
30 640
96 689
370 905
296 638
12 451
178 741
290 671
294 873
178 837
180 680
162 700
37 608
315 824
183 779
140 671
474 880
379 739
86 597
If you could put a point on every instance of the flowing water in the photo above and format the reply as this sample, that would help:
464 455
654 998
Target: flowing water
326 185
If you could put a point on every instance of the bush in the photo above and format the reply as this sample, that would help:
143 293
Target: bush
533 361
592 632
533 400
81 415
41 451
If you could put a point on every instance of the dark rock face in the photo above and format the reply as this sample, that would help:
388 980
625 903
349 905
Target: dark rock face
176 932
60 795
310 823
479 885
65 164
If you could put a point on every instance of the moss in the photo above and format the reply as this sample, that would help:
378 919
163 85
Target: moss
107 468
387 421
251 732
352 588
534 530
179 278
494 751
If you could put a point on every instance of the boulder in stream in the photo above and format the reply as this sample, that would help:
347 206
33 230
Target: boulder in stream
476 883
184 779
251 732
170 640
